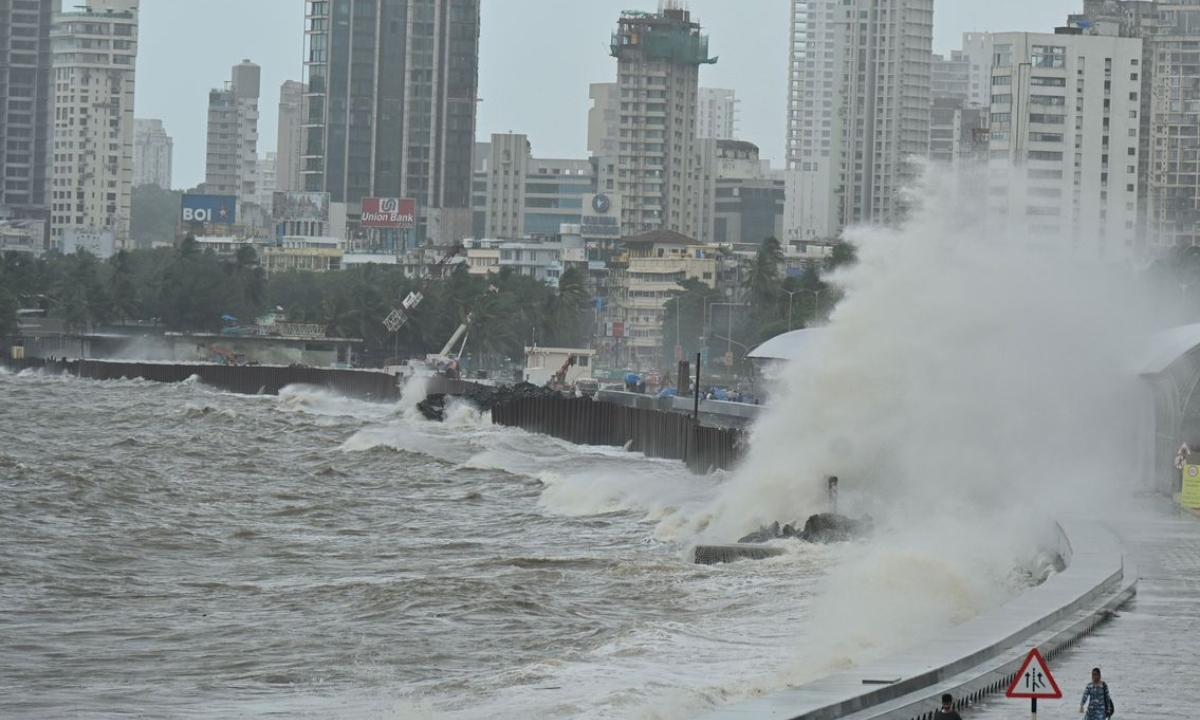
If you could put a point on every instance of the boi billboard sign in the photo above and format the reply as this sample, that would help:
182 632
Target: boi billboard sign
209 209
389 212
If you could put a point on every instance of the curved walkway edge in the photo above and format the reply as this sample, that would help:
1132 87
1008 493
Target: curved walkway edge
976 658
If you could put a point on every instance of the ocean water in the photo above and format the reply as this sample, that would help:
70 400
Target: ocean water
177 551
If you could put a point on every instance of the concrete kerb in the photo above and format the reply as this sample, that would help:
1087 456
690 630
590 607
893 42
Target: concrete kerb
974 658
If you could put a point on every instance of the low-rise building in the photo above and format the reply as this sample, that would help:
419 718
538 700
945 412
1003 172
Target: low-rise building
562 365
25 236
643 280
542 261
302 256
228 246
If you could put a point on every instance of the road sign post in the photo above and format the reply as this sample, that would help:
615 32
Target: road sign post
1034 681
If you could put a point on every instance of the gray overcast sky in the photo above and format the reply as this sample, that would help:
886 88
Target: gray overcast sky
536 60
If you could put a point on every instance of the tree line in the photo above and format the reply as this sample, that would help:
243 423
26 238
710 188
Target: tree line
191 289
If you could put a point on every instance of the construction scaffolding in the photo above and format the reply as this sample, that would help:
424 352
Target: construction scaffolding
669 36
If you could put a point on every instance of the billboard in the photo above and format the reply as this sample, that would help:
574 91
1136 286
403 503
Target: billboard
290 206
209 209
97 242
389 212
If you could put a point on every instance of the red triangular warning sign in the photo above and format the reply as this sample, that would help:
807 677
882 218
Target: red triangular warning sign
1034 679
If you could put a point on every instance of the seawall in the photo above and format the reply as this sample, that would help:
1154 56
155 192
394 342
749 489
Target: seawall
975 659
242 379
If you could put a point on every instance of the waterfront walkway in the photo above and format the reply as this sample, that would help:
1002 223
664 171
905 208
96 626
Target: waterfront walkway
1148 653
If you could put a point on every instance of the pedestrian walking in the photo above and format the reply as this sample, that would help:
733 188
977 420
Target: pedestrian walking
946 711
1096 702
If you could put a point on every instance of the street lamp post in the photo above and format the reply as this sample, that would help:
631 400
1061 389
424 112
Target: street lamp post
729 331
816 302
791 295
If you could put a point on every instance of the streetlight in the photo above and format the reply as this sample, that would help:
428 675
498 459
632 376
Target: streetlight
791 294
816 301
729 331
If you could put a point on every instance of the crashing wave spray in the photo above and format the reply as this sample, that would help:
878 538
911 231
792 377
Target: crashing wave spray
972 384
969 370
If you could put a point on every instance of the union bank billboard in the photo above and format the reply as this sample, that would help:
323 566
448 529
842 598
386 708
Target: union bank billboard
389 212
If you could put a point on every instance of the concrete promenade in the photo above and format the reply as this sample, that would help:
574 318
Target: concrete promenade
1149 653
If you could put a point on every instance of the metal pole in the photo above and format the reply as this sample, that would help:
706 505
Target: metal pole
729 331
696 393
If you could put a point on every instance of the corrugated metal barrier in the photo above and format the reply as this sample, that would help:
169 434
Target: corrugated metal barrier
657 434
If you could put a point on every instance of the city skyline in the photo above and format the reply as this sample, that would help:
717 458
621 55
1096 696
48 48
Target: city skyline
752 47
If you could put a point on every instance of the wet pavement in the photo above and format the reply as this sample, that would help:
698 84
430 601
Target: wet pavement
1150 652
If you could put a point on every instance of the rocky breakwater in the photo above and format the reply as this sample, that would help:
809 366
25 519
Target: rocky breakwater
819 528
484 397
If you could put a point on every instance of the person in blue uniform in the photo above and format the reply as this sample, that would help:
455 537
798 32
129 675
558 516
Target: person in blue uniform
1096 703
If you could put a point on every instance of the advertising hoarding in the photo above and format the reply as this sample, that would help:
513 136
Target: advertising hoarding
208 209
292 206
389 213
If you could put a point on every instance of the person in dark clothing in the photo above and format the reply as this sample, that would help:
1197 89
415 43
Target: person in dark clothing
947 711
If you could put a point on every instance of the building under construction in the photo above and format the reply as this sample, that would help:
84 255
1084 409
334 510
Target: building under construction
658 69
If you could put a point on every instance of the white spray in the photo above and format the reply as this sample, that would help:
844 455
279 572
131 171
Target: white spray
973 383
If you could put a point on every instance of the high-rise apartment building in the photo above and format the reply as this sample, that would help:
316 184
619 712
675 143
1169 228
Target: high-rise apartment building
231 163
94 53
950 77
716 118
740 199
506 168
977 49
958 131
291 124
858 110
152 148
391 105
658 74
266 180
25 101
604 119
518 195
1065 121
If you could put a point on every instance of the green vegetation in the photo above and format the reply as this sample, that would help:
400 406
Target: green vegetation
190 289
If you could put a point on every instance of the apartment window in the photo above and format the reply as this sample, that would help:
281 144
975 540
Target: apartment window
1037 81
1052 100
1002 56
1049 56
